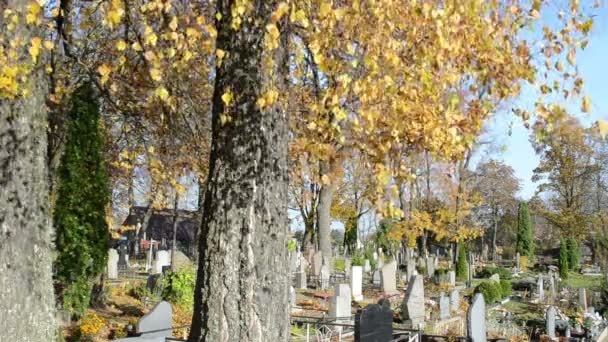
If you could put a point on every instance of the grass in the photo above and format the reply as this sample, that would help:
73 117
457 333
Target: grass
576 280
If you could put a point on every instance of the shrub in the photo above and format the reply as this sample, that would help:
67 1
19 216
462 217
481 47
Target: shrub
77 296
573 253
461 264
525 232
487 272
339 265
524 262
178 288
140 292
369 255
505 288
357 260
490 291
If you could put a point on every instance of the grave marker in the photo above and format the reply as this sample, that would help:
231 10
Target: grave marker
389 278
412 307
541 290
324 277
317 262
550 322
160 317
476 318
444 307
340 303
582 298
356 282
112 263
454 300
374 323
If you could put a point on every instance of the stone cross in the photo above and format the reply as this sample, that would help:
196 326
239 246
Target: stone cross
550 322
389 278
476 319
412 307
112 263
356 282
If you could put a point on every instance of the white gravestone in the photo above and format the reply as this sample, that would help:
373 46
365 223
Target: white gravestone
454 300
389 278
163 258
444 307
324 277
412 307
112 263
476 318
340 306
550 322
356 282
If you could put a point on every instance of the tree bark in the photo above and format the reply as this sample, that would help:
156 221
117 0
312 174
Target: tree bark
26 288
242 283
326 194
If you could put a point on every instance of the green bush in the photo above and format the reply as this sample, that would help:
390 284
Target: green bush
357 260
573 253
461 264
490 291
339 265
178 288
140 292
488 271
77 296
525 232
369 255
505 288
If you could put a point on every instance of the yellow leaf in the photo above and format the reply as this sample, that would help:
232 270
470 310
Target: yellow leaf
121 45
603 127
281 10
325 180
227 98
572 57
33 12
49 45
104 71
173 23
324 9
35 48
586 107
155 74
220 54
136 46
162 93
218 16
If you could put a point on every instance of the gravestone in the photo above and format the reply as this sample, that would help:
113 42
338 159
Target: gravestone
582 298
374 323
375 256
430 267
452 278
324 277
301 277
292 296
517 256
411 268
540 288
340 303
112 263
160 317
317 262
293 261
550 322
454 300
376 279
347 266
444 307
389 278
356 282
122 257
412 307
152 281
552 286
476 319
163 258
495 278
366 266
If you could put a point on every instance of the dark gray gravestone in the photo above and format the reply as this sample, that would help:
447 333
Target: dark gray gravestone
122 257
374 323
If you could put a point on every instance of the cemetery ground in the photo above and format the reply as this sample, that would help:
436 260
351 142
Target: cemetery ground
420 296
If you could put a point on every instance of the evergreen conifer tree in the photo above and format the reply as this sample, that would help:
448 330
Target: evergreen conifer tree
79 217
461 265
525 233
563 259
573 253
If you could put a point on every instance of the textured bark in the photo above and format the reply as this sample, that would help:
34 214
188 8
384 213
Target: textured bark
26 290
242 282
326 194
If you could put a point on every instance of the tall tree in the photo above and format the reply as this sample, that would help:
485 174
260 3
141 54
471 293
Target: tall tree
497 185
26 288
525 232
566 165
80 210
242 281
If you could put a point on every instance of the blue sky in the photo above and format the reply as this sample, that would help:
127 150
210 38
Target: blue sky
515 149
